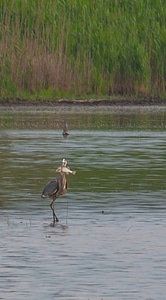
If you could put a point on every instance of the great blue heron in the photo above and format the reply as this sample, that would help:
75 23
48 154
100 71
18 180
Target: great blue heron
65 129
57 187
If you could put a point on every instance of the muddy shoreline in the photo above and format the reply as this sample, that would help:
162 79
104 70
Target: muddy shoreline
92 102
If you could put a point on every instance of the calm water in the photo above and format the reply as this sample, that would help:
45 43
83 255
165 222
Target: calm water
110 242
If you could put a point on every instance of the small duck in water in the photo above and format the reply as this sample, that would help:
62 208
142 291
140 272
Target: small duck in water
65 129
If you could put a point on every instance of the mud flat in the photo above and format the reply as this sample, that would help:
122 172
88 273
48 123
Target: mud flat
92 102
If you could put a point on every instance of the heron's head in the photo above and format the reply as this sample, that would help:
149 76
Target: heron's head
64 162
63 165
63 169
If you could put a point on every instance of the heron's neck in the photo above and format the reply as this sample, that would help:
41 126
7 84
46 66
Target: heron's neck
63 176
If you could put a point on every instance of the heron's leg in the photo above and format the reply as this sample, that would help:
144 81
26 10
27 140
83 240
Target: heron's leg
55 218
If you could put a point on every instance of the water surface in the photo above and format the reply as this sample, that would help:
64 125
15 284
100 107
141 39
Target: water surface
110 242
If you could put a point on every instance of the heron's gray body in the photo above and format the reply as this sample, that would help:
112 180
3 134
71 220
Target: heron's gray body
51 188
55 187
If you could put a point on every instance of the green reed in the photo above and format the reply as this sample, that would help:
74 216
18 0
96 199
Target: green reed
79 48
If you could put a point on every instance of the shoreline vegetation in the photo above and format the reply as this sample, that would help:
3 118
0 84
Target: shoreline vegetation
108 50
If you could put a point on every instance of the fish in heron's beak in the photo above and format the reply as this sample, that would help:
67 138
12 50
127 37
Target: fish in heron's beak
65 170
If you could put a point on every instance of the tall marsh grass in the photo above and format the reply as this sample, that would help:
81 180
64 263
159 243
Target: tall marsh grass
80 48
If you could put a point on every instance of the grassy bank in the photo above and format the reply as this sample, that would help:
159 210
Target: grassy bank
81 48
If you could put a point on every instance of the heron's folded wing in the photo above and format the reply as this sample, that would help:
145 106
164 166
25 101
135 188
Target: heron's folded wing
50 188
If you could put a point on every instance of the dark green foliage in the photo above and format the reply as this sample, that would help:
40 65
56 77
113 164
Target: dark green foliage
83 47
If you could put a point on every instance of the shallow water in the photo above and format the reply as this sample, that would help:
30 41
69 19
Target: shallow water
110 242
